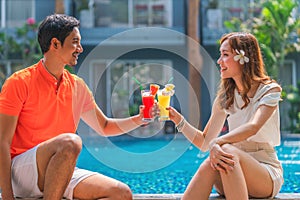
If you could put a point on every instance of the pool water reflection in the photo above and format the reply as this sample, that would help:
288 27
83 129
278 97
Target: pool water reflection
175 177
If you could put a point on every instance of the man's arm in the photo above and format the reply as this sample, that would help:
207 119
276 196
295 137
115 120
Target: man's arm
7 129
111 126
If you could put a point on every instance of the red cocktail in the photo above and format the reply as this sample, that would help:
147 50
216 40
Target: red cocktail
148 102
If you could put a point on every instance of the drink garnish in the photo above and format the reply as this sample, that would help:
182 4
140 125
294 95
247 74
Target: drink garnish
154 88
169 89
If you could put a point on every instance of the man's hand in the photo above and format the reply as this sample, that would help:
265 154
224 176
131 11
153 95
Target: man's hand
155 112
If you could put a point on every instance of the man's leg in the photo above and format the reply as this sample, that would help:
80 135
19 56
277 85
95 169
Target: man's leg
56 160
102 187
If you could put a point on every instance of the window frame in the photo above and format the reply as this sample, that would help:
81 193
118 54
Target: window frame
5 4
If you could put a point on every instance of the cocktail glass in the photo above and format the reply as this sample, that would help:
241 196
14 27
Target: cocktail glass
164 99
148 102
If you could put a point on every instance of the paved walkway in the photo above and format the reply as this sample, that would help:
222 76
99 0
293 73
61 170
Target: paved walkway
281 196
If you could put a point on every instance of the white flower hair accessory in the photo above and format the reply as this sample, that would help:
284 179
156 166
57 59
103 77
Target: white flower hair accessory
241 57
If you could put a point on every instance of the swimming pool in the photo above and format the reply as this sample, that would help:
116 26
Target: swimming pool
172 167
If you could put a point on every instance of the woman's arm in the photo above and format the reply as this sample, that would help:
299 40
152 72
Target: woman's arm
261 115
200 138
249 129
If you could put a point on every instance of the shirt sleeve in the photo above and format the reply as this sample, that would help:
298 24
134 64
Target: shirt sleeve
89 99
83 97
13 96
270 99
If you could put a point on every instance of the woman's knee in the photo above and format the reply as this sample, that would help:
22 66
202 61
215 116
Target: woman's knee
231 149
205 164
206 168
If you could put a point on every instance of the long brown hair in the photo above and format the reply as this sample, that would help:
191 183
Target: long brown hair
252 71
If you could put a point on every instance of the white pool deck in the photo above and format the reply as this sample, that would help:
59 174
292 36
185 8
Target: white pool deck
281 196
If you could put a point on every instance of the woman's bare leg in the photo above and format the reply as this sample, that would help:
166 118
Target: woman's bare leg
201 184
247 177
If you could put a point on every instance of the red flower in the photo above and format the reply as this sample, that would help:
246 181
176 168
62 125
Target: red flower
30 21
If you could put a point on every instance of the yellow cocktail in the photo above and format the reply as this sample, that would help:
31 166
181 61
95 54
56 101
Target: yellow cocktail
163 103
164 98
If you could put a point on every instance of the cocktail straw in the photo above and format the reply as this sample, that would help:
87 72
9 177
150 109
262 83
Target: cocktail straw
170 80
139 83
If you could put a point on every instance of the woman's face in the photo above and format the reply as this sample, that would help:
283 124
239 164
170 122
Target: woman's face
229 68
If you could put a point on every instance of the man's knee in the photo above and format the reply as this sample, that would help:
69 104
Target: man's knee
70 144
122 192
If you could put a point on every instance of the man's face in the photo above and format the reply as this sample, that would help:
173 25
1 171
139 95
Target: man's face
71 48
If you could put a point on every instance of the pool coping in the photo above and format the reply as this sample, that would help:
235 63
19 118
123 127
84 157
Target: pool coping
281 196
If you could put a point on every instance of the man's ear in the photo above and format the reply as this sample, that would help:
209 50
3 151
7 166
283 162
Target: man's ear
55 43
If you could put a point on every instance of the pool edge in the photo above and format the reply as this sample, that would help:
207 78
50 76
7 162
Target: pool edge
281 196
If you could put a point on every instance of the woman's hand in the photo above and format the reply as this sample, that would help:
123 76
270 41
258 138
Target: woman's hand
174 115
155 111
220 160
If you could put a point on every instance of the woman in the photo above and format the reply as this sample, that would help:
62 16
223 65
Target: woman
243 162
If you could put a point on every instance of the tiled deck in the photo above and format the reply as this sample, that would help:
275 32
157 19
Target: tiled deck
281 196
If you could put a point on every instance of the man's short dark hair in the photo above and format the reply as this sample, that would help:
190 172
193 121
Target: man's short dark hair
55 26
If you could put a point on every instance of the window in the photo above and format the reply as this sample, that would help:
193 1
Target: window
111 13
215 13
122 13
14 13
152 13
122 92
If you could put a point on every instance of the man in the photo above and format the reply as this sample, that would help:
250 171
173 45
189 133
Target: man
40 108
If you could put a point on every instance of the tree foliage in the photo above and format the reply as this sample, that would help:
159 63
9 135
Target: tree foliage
277 30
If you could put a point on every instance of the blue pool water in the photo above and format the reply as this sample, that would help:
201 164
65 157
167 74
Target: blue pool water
170 162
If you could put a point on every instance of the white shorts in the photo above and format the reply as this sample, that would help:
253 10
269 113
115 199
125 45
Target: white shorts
25 176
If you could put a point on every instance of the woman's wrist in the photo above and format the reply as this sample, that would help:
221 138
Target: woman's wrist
212 143
180 124
219 141
178 120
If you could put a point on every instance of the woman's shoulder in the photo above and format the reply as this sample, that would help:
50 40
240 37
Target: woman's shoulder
267 88
271 86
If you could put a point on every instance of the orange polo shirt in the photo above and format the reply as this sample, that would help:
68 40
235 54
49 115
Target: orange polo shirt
44 110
